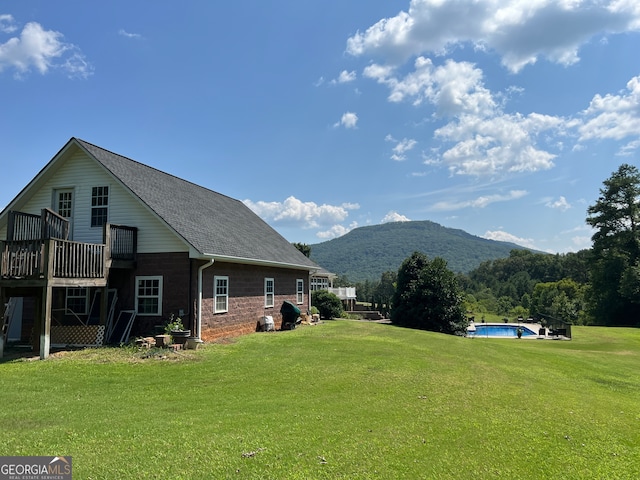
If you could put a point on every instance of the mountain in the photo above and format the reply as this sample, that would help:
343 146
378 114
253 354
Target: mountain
366 252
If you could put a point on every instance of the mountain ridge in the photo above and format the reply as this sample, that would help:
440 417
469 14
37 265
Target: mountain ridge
366 252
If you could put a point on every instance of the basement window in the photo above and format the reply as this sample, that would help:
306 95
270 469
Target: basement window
149 295
76 300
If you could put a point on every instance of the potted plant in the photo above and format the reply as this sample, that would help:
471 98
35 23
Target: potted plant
176 329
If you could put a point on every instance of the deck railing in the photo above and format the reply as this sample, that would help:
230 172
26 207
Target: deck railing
53 258
78 260
28 226
38 247
343 293
22 259
123 241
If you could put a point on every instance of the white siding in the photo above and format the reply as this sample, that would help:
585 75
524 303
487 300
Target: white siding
82 173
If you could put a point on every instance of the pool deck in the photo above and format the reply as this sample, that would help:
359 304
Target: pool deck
534 327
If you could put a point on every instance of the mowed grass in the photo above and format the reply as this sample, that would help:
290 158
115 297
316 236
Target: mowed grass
344 399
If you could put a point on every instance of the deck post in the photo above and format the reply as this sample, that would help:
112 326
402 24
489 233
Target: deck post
3 300
104 306
45 322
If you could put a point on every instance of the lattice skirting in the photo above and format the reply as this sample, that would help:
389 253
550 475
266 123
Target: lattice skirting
77 335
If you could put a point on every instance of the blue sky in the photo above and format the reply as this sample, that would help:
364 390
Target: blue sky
501 118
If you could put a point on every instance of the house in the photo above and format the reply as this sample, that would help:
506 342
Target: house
98 244
322 279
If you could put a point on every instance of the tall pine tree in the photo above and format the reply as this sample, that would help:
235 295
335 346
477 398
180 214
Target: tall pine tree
615 270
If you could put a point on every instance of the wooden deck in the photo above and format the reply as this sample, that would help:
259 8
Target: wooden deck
37 252
38 256
53 261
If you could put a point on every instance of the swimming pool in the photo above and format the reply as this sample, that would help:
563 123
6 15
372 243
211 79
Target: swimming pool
499 330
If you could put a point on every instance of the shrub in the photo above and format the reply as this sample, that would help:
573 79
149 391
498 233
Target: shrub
327 303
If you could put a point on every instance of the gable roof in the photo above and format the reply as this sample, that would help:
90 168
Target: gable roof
213 225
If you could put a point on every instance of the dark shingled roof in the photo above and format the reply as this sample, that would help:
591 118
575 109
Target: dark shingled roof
212 223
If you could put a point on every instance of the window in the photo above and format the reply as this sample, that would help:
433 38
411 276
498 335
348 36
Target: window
77 300
149 295
319 283
269 290
99 205
221 294
299 291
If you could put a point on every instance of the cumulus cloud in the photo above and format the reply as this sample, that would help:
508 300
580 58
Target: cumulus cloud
502 236
394 217
480 138
40 49
304 214
559 204
401 147
336 231
7 23
479 202
511 28
614 117
344 77
348 120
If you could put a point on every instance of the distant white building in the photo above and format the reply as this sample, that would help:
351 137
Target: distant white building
323 280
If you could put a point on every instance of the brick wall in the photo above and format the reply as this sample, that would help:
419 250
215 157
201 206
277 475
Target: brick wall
176 277
246 297
180 292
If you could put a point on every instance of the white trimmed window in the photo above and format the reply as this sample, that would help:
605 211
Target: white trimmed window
77 299
299 291
269 292
319 283
149 295
99 206
220 294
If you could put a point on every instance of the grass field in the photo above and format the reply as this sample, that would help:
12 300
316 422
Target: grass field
344 399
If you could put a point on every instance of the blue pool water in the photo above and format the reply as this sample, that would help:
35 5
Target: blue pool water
484 330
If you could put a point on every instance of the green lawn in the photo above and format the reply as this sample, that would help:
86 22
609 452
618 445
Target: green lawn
343 399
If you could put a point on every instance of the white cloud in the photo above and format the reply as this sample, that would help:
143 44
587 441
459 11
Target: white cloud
43 50
303 214
502 236
629 148
7 24
348 120
502 143
122 32
519 31
394 217
560 204
336 231
344 77
453 88
482 139
614 117
479 202
401 147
